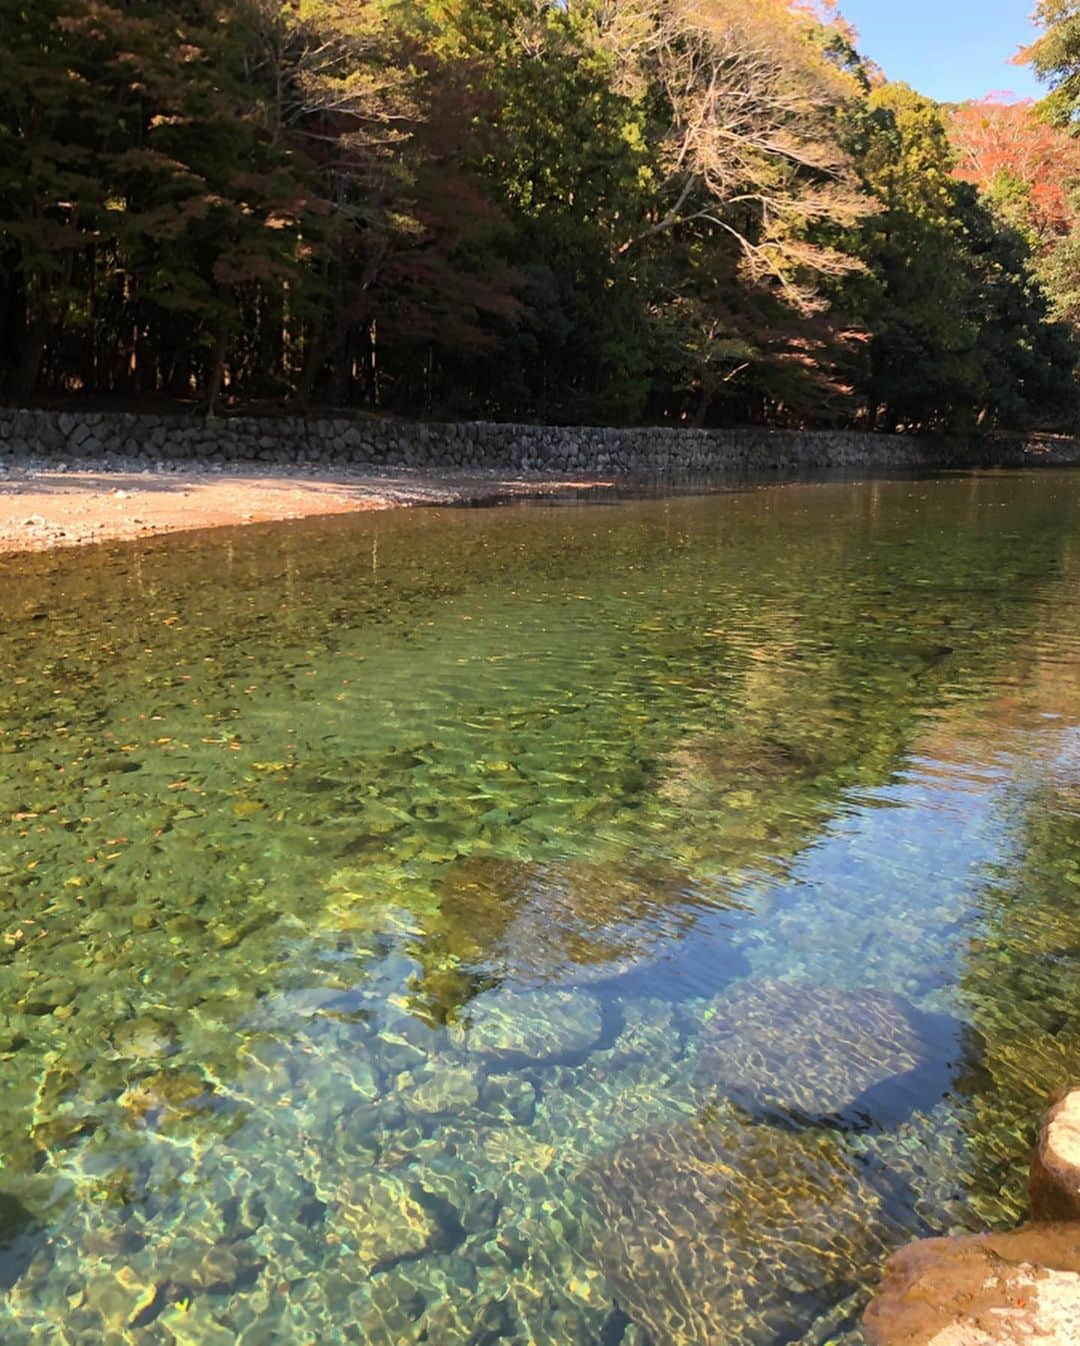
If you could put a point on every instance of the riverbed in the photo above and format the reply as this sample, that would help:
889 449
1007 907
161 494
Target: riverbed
580 923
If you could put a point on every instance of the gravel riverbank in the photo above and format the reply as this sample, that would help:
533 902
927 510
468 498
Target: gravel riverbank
45 505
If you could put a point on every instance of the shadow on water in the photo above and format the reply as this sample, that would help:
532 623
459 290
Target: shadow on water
20 1237
952 1061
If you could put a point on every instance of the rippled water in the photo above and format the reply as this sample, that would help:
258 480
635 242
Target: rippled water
541 925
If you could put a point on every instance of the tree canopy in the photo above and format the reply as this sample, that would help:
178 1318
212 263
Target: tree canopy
680 211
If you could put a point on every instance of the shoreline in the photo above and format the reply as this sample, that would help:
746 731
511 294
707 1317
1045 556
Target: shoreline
46 505
72 477
44 508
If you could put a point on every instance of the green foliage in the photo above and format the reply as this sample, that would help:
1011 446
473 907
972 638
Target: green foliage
1055 55
958 325
619 211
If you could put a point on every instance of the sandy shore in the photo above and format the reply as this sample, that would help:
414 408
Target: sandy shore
43 507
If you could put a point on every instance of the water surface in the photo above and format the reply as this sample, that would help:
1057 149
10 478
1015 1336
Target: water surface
562 926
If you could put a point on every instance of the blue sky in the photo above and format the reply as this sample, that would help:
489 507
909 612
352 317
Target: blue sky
948 49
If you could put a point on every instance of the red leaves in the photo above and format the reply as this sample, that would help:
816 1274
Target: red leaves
996 141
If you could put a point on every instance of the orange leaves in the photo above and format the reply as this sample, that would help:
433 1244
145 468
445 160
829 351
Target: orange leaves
999 144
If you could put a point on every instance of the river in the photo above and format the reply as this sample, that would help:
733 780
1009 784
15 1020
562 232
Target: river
562 924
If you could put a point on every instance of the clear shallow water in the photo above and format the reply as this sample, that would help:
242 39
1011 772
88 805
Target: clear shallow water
588 925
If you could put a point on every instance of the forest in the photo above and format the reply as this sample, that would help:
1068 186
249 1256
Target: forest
690 212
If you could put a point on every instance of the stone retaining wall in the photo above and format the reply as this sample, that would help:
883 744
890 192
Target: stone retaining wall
68 436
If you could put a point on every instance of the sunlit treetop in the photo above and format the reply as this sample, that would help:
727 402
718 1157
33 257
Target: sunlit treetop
1025 164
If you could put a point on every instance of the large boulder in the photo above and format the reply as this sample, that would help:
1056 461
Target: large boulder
1055 1165
1012 1289
1015 1289
732 1234
818 1052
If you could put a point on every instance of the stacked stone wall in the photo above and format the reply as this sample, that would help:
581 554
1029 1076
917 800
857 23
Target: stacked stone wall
130 438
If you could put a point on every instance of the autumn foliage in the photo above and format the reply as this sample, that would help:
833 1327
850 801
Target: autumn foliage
1011 153
679 211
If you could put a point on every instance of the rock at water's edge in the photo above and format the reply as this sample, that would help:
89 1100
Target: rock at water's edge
1015 1289
1055 1165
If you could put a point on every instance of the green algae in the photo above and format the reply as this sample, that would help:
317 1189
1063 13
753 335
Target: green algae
373 893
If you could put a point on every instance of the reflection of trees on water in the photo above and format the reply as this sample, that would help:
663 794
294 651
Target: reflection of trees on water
786 691
1021 992
1020 986
573 924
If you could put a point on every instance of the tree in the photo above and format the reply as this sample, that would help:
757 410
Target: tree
1026 167
958 323
51 195
745 109
562 154
580 210
1055 55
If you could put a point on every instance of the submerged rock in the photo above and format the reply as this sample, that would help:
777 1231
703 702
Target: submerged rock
382 1221
200 1266
119 1296
196 1325
531 1025
650 1032
443 1088
728 1233
144 1038
1015 1289
509 1098
862 1056
165 1095
1055 1165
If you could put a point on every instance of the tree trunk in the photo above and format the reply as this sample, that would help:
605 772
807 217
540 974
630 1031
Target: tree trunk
33 353
217 374
313 361
339 377
704 403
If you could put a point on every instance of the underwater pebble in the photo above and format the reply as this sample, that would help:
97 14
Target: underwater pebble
144 1038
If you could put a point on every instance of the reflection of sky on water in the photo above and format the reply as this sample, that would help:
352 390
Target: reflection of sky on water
372 936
